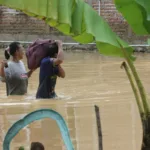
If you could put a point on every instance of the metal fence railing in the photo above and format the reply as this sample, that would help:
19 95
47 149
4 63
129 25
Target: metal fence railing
29 42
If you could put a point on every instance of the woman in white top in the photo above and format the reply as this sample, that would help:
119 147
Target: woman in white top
13 72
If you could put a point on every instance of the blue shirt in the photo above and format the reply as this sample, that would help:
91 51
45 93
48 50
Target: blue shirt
47 79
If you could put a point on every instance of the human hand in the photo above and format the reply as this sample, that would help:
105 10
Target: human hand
60 55
4 64
30 72
59 43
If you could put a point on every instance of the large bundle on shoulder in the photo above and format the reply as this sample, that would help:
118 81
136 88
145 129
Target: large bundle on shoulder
37 51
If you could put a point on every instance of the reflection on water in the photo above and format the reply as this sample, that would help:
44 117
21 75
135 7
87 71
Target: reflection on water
90 79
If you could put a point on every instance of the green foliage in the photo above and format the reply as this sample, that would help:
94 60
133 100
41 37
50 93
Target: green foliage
74 18
148 41
137 14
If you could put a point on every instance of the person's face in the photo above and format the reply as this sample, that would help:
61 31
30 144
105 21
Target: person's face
20 52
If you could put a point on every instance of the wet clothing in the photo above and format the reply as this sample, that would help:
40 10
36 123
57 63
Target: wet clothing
16 78
47 79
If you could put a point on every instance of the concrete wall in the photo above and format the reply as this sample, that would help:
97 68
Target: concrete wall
118 23
18 26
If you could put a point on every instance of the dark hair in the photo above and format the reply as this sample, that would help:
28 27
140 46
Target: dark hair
37 146
52 50
13 47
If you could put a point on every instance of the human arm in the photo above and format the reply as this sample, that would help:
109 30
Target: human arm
2 70
61 72
29 73
2 73
60 56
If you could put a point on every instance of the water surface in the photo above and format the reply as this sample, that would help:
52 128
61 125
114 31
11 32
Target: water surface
91 79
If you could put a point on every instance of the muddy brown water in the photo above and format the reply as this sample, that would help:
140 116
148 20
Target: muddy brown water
91 79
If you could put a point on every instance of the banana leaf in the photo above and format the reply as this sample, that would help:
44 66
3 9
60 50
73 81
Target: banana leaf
148 41
137 14
76 19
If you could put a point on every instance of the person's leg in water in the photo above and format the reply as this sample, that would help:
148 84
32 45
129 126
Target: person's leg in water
37 146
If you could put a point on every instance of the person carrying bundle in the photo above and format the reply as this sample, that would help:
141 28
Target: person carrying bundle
50 69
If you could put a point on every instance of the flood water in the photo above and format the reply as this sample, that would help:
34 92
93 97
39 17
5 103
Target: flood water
91 79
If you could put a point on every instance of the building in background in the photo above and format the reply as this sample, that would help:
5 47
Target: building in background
16 25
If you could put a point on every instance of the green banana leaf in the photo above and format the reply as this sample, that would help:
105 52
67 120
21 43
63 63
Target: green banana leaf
148 41
76 19
137 14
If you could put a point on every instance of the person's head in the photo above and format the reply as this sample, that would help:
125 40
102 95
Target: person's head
52 50
15 49
37 146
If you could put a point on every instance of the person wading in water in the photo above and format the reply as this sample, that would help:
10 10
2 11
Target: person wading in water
13 71
50 68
